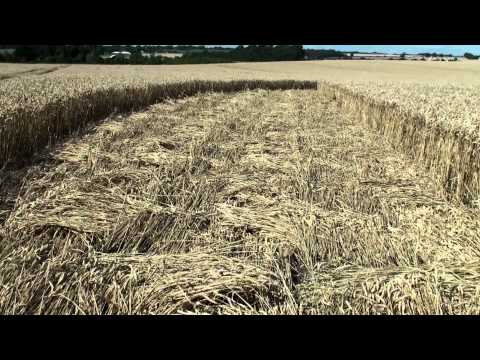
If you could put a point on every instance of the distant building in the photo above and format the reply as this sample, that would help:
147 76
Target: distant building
120 55
367 56
169 55
444 58
117 55
165 55
414 57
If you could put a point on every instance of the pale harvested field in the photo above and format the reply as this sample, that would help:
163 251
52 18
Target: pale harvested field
263 202
462 72
457 73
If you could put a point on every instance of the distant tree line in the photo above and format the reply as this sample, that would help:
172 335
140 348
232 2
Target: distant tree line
470 56
434 54
321 54
191 54
153 48
467 55
50 53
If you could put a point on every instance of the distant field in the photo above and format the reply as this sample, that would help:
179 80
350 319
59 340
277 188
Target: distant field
353 191
462 72
444 94
434 73
8 71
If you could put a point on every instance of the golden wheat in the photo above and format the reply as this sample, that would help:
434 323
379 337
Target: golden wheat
8 71
37 112
448 149
261 202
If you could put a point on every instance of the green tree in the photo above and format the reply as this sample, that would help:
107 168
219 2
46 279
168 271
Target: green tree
470 56
91 58
25 53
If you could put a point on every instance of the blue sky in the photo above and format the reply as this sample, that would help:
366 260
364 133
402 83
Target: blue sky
411 49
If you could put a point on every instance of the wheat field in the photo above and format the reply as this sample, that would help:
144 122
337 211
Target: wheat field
8 71
426 72
275 188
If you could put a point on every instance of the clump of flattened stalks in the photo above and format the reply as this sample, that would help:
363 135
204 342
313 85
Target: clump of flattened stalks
116 217
432 289
188 281
95 283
